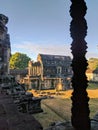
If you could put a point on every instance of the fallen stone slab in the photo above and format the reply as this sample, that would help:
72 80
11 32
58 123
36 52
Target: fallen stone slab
67 125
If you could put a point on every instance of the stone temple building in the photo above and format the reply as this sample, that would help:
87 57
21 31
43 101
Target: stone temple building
50 71
5 49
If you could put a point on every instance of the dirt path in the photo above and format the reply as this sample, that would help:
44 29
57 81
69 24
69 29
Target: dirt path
91 93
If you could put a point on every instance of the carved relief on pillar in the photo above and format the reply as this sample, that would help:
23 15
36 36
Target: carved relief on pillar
3 28
5 50
80 108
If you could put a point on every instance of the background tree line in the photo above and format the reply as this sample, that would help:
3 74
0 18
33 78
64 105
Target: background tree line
20 61
93 63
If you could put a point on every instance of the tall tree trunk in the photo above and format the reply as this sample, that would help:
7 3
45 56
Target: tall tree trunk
78 28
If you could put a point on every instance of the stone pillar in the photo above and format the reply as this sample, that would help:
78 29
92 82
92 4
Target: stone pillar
33 70
29 68
2 30
78 28
5 50
36 70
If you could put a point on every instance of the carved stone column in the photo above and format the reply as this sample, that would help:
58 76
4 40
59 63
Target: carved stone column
78 28
4 46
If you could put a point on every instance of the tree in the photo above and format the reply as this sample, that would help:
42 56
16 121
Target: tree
93 63
19 61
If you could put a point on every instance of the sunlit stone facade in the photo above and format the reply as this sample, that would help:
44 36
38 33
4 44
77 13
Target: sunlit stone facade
50 71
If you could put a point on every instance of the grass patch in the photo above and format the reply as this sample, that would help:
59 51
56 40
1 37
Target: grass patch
47 117
59 109
93 106
60 106
56 109
92 86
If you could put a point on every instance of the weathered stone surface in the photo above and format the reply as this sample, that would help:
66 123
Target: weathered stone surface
5 49
50 71
12 119
94 122
60 126
67 125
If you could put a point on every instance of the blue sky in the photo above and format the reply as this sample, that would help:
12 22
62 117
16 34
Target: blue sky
42 26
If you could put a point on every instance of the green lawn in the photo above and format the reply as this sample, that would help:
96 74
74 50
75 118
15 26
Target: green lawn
93 105
59 109
47 116
92 86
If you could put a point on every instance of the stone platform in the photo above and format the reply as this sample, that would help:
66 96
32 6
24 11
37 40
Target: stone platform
12 119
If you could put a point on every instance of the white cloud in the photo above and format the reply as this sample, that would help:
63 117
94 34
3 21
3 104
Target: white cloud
33 49
91 55
36 48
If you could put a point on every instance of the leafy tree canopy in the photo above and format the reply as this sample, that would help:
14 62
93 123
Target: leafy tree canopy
93 63
19 61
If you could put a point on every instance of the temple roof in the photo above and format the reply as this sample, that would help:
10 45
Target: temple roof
36 63
54 60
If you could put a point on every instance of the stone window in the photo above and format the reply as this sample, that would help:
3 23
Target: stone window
59 70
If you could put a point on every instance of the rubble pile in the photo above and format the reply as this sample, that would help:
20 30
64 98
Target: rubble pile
25 101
